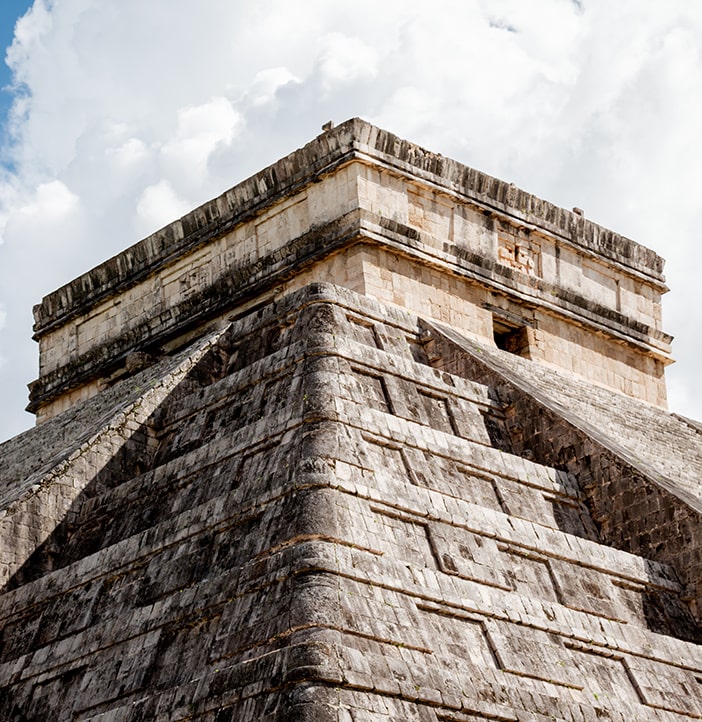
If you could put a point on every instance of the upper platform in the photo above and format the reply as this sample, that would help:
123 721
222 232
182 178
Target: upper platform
364 209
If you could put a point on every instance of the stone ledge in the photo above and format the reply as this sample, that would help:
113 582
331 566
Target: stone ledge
249 279
353 139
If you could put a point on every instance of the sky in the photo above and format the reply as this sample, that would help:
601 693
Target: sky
10 12
119 116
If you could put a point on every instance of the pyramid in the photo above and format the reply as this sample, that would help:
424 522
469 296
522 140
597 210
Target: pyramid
371 437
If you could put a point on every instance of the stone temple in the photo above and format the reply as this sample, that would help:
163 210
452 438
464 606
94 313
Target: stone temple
371 437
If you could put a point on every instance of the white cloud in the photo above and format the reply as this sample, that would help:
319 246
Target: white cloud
129 114
201 129
30 31
344 60
129 155
158 205
51 205
266 84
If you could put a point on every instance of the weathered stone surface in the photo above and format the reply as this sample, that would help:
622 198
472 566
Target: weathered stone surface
311 510
381 216
342 502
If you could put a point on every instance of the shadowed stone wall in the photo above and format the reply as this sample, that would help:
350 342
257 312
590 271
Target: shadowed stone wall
327 519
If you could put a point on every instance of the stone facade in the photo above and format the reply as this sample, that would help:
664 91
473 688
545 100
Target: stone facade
372 436
360 208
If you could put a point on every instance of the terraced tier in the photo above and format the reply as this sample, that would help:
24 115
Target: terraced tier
328 510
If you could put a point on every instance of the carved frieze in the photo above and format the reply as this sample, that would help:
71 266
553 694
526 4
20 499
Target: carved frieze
519 253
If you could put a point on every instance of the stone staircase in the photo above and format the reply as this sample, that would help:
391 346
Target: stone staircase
661 440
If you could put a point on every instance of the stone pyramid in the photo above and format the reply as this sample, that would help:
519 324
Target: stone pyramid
371 437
